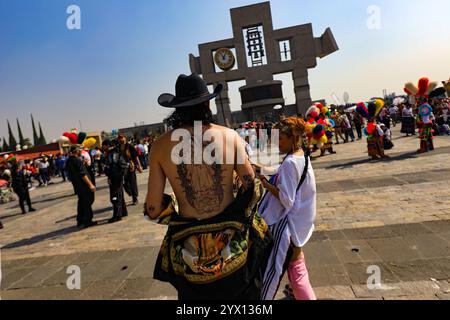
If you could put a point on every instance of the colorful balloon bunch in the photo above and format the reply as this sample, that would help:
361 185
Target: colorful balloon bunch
425 89
319 128
80 139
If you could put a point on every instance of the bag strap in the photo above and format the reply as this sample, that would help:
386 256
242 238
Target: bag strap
305 172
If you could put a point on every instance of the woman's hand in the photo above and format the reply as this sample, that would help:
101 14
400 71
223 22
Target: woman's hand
267 185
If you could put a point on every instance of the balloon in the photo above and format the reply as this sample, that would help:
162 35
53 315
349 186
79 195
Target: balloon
319 105
332 123
423 86
313 111
325 110
379 103
90 143
362 109
64 140
371 128
431 87
411 89
72 137
324 139
81 137
318 129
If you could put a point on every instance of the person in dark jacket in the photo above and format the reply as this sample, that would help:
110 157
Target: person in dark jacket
115 168
83 186
20 186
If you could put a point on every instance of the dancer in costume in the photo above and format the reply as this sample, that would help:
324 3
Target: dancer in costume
329 131
289 208
423 92
373 131
426 129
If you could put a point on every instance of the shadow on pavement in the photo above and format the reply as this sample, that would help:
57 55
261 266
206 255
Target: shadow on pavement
41 237
96 212
398 157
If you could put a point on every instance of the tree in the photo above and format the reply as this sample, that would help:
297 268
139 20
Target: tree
35 136
12 140
27 143
5 145
42 140
21 139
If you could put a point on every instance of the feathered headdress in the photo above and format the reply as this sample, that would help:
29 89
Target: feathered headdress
423 88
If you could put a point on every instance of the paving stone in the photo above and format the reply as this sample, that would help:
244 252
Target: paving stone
162 290
121 269
112 255
320 254
443 265
414 297
393 249
61 276
428 245
415 270
318 236
443 296
101 290
438 226
409 229
397 290
345 251
358 272
9 279
332 275
334 293
43 293
135 289
335 235
36 278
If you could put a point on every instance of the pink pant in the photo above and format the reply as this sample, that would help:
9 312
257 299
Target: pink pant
299 280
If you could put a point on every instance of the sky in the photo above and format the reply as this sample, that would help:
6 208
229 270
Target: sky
109 74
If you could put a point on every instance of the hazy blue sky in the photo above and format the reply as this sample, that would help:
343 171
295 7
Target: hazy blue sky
110 73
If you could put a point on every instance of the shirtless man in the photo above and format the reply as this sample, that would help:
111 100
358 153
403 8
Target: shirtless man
203 188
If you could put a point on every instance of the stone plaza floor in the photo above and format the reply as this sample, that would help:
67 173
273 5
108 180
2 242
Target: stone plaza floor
392 214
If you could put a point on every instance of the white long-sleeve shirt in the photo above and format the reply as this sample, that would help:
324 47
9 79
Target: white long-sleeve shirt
300 207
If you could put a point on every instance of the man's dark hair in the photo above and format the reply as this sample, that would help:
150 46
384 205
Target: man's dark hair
188 115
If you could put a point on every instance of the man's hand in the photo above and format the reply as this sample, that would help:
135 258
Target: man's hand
93 189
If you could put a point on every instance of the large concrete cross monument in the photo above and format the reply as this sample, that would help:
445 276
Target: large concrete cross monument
255 54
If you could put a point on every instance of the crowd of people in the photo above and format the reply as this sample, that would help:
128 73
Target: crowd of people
80 166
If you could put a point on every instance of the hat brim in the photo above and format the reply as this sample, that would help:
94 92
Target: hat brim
168 100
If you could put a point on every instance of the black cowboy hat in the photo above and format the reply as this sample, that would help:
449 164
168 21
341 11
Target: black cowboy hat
189 91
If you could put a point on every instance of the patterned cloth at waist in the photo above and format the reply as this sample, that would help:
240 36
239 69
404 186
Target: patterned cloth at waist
208 253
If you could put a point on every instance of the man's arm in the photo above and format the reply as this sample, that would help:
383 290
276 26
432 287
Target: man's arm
156 185
243 167
89 183
84 176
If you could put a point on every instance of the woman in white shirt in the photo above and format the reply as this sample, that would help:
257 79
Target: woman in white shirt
289 208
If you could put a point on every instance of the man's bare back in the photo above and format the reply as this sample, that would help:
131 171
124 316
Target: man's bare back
203 189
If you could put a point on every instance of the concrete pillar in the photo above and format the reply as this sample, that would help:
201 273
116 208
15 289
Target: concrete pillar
302 90
224 117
